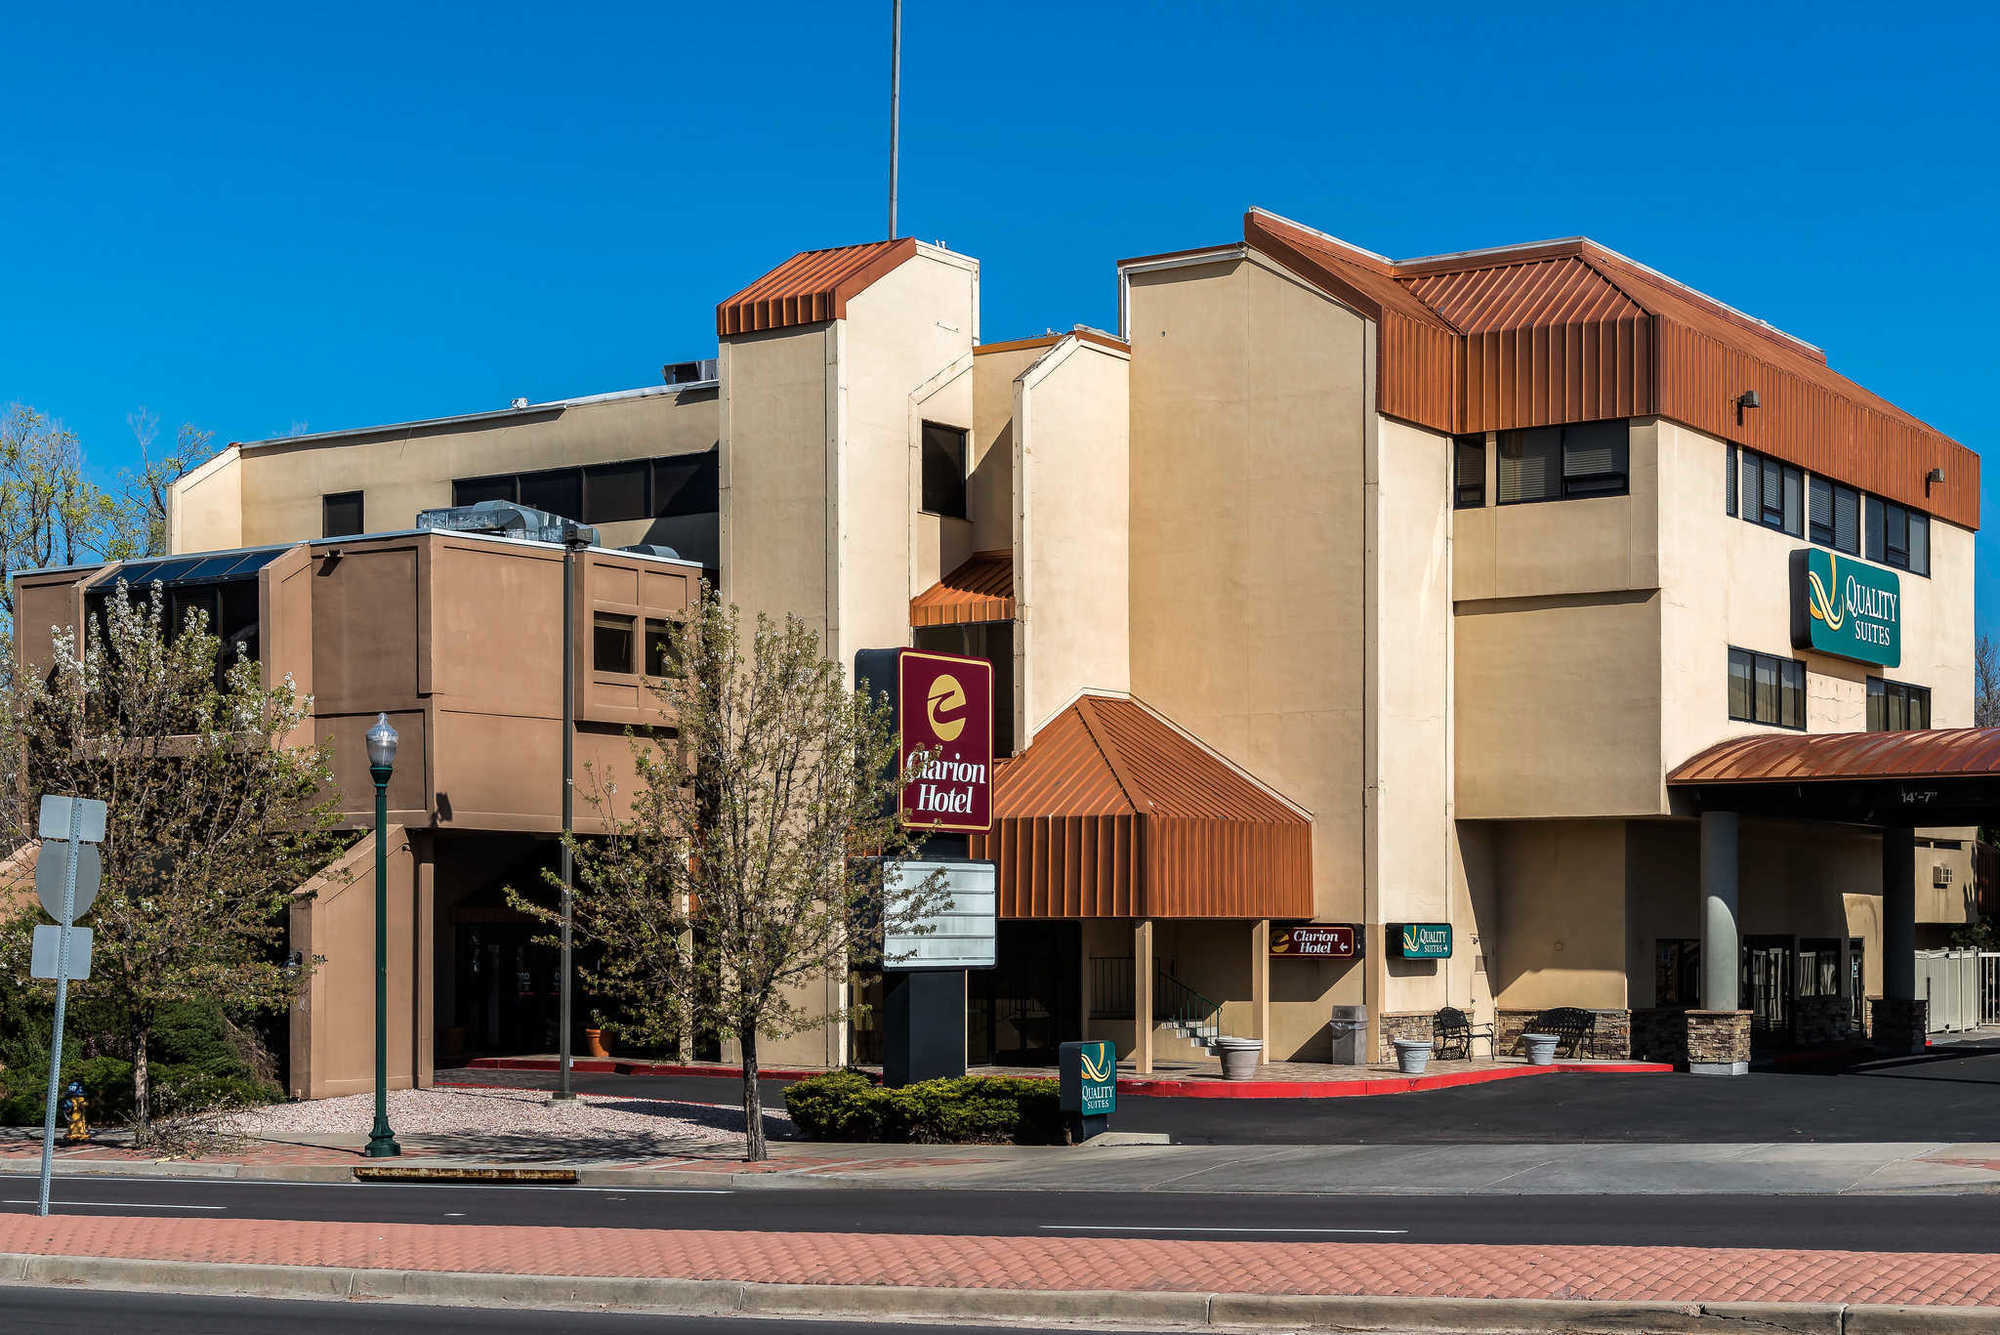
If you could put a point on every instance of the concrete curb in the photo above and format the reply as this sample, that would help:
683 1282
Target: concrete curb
1439 1316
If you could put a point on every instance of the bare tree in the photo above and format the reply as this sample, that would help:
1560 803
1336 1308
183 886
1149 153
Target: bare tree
215 815
745 867
141 509
1985 683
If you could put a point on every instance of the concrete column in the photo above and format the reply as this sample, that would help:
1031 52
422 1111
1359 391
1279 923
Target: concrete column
1142 996
1899 914
1260 983
1720 949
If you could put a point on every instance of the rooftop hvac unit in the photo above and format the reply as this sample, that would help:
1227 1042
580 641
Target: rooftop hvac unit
692 373
1940 875
504 518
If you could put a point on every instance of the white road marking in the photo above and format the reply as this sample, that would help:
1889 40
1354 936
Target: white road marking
118 1205
1212 1228
378 1187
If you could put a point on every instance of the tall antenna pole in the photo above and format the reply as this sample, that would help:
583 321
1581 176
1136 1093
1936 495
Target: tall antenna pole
895 101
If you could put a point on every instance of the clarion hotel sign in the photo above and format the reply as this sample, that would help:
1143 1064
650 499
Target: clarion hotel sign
944 705
1846 607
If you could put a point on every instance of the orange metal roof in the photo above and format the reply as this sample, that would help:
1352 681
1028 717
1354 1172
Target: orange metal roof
1829 757
980 590
1113 811
811 286
1571 331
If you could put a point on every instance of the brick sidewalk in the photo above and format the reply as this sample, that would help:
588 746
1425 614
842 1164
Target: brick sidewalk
1630 1274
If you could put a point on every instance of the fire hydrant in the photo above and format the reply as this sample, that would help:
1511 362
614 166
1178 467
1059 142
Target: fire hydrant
74 1106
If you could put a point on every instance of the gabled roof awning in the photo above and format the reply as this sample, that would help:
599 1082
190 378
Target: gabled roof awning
980 590
1936 776
1113 811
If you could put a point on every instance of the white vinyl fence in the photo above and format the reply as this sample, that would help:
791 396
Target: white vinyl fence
1989 987
1953 981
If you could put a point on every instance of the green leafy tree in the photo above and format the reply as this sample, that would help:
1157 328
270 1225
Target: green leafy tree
216 812
744 867
50 512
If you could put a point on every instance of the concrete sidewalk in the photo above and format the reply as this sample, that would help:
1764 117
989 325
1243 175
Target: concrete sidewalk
1375 1170
1364 1286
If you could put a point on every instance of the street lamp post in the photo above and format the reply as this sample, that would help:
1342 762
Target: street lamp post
381 764
575 538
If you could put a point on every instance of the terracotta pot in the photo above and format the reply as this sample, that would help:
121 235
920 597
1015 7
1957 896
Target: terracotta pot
593 1043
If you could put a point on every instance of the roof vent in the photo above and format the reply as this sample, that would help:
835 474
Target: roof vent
705 371
519 403
652 549
504 519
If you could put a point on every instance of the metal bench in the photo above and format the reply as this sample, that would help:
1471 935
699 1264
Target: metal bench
1574 1027
1452 1032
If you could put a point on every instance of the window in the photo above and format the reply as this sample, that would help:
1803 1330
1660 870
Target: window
557 490
663 650
1677 972
1834 516
1469 465
1773 494
1729 473
1563 463
1899 536
944 470
994 642
611 643
473 490
1895 706
612 492
1766 689
685 485
340 514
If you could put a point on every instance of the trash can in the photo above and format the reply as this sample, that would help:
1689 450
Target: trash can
1349 1027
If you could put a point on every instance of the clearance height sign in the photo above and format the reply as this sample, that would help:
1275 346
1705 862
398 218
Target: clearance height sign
944 709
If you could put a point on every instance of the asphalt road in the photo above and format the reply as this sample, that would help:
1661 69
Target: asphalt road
1875 1223
1951 1095
99 1310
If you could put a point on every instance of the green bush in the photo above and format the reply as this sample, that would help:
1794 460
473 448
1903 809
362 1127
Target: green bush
968 1110
199 1061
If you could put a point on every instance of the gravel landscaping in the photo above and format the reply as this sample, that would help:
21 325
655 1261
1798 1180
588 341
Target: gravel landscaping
496 1112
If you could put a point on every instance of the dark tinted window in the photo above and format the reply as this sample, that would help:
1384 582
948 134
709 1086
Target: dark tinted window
558 491
1530 466
1773 494
685 485
612 492
341 514
944 470
663 655
1469 467
1729 470
1895 706
611 643
473 490
1764 688
1594 458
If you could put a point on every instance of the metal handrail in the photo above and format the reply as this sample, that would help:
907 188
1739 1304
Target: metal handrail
1176 1002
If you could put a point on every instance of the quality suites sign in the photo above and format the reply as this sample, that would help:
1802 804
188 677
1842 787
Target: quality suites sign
1846 608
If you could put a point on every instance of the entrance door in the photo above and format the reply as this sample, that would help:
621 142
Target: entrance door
508 988
1031 1001
1767 983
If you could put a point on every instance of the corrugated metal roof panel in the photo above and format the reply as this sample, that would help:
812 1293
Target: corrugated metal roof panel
1808 758
982 589
811 286
1112 811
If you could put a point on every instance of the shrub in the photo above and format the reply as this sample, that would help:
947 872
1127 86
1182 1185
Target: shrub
967 1110
200 1062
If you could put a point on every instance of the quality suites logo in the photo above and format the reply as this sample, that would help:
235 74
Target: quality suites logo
1819 601
1097 1065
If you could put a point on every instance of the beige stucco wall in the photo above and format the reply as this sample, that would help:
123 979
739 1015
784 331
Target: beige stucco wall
1410 798
1071 480
1249 407
1561 895
990 491
205 507
279 486
1725 582
778 426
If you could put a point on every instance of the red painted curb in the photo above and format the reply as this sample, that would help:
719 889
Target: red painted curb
1147 1086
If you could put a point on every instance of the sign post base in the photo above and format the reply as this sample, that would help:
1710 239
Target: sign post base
923 1025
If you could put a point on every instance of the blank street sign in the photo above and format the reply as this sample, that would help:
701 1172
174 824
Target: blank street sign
53 865
54 823
48 940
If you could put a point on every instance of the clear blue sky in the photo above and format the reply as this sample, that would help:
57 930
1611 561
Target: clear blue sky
281 216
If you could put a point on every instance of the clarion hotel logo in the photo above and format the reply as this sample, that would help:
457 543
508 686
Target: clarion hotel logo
1846 608
945 707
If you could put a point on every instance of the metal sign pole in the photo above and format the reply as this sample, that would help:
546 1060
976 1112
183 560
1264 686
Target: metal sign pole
62 1004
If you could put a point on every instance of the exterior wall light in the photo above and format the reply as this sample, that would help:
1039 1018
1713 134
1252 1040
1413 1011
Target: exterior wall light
1933 478
1747 399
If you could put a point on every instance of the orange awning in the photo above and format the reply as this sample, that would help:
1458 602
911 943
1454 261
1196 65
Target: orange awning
980 590
1113 811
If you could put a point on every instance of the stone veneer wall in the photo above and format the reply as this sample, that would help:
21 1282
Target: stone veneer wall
1822 1022
1401 1024
1901 1028
1612 1039
1683 1036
